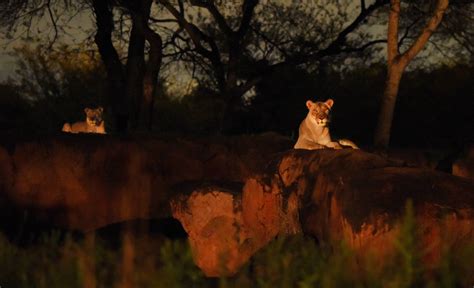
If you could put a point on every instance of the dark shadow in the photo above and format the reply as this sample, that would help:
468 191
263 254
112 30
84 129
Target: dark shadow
25 226
154 229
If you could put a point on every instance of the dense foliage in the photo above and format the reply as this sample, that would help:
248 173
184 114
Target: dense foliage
295 261
434 108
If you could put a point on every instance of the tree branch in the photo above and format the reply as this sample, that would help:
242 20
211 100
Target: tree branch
197 36
53 21
365 46
247 13
362 6
407 30
341 37
220 20
425 35
154 20
335 46
392 31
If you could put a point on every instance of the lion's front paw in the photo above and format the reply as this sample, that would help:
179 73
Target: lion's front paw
334 145
348 143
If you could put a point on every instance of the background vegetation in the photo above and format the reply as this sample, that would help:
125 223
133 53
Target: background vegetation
50 88
250 65
292 261
253 64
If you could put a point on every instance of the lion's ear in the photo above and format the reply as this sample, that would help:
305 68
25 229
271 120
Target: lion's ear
309 104
100 109
329 102
86 110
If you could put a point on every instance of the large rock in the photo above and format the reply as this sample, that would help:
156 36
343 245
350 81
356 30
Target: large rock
88 181
464 167
333 195
227 224
234 195
212 217
359 197
421 158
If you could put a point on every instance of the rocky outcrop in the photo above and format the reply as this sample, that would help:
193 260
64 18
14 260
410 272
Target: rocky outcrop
83 182
227 225
234 195
360 198
464 167
421 158
333 195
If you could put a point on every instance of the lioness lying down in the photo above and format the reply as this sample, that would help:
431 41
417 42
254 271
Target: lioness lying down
93 124
313 131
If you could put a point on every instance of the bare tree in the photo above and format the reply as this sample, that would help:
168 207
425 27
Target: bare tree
23 19
239 50
397 63
225 59
458 26
133 84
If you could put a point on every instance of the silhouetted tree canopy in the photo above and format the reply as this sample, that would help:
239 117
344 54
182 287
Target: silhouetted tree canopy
238 55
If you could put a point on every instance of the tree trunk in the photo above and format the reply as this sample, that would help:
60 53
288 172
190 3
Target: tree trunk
385 119
397 63
142 77
115 73
150 81
131 90
135 68
230 120
231 95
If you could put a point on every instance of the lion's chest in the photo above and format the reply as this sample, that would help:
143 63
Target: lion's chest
316 133
95 129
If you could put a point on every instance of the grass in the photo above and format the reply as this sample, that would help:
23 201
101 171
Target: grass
295 261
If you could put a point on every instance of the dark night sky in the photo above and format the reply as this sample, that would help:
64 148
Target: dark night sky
75 35
84 21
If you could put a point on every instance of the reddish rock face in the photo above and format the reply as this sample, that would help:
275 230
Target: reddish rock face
256 194
213 220
360 198
464 167
344 195
416 157
226 226
85 182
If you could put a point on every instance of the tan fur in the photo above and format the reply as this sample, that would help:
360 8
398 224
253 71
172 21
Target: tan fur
313 131
93 124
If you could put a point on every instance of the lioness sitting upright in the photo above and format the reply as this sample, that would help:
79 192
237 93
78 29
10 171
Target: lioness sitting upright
93 124
313 131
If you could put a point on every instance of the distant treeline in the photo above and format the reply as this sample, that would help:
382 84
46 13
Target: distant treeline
434 109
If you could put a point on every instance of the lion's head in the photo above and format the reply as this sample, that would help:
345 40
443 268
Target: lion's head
319 111
94 116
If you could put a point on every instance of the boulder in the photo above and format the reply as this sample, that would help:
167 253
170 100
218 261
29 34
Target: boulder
84 182
226 223
422 158
234 195
464 166
359 198
332 195
212 218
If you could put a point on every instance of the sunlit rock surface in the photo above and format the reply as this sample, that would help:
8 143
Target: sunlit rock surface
234 195
88 181
464 166
359 197
226 224
344 195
